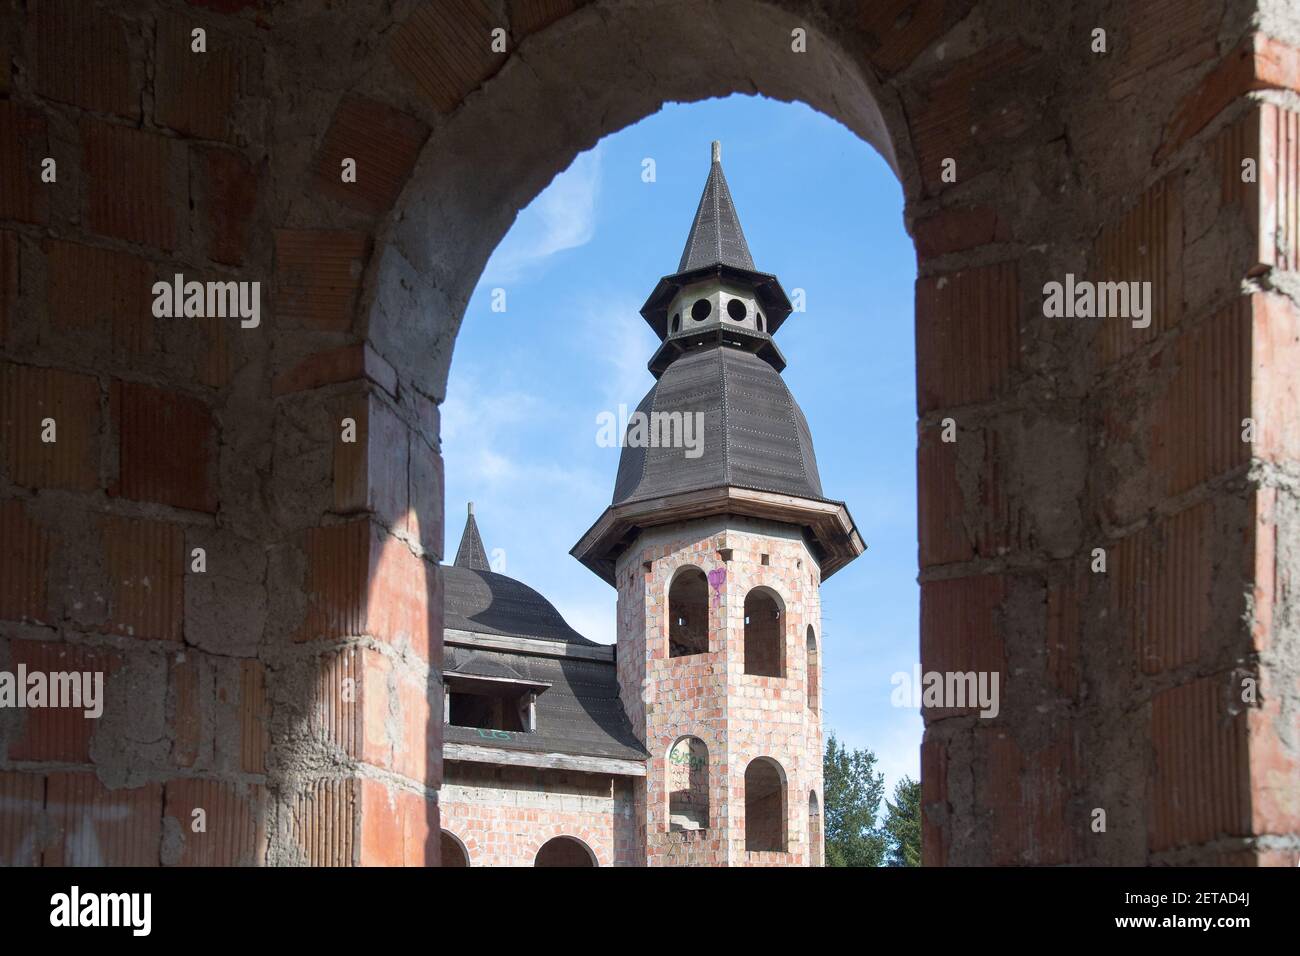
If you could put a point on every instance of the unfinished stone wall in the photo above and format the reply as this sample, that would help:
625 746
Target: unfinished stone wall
291 688
736 716
504 815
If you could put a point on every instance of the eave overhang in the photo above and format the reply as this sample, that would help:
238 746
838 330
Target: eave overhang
736 337
494 686
827 524
766 287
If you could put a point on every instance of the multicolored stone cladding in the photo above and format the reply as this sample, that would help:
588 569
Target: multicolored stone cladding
739 717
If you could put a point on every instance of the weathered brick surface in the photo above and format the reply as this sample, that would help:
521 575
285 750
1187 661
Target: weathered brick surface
384 143
23 145
128 174
8 281
195 93
362 582
1258 63
994 85
92 825
398 827
960 633
1198 793
445 49
82 58
100 293
967 335
318 274
229 830
147 563
28 398
22 803
165 444
227 185
59 735
25 556
1144 245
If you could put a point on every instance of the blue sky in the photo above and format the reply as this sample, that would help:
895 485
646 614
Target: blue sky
820 209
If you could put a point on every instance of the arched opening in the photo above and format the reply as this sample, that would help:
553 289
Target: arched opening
565 851
688 785
482 166
764 634
814 676
765 806
814 830
453 851
688 613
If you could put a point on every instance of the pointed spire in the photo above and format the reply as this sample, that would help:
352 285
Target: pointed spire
471 553
716 237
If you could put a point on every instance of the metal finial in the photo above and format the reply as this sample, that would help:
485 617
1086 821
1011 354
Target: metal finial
717 151
471 509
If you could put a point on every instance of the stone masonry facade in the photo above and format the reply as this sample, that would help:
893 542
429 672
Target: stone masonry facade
503 816
738 717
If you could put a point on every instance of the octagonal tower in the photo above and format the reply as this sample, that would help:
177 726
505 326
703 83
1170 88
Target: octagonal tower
717 539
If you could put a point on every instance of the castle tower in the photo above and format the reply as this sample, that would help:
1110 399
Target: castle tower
717 540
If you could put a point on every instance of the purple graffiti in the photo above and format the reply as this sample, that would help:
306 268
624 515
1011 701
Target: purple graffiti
716 577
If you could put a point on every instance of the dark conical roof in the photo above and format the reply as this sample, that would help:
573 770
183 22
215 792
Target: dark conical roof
755 434
471 553
716 237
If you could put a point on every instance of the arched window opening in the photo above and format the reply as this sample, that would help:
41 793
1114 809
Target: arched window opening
677 321
814 830
564 851
688 785
688 614
814 675
764 806
453 851
764 637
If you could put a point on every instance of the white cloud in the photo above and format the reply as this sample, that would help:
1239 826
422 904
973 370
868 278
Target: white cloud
618 344
563 216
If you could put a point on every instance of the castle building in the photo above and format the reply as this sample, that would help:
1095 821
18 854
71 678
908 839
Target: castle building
696 740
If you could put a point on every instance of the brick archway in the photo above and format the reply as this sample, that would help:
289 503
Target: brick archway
295 684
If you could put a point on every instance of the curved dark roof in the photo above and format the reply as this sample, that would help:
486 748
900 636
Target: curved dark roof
580 713
489 603
755 434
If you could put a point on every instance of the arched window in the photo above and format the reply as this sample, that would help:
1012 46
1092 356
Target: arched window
564 851
688 613
814 674
764 634
453 851
765 805
814 830
688 785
